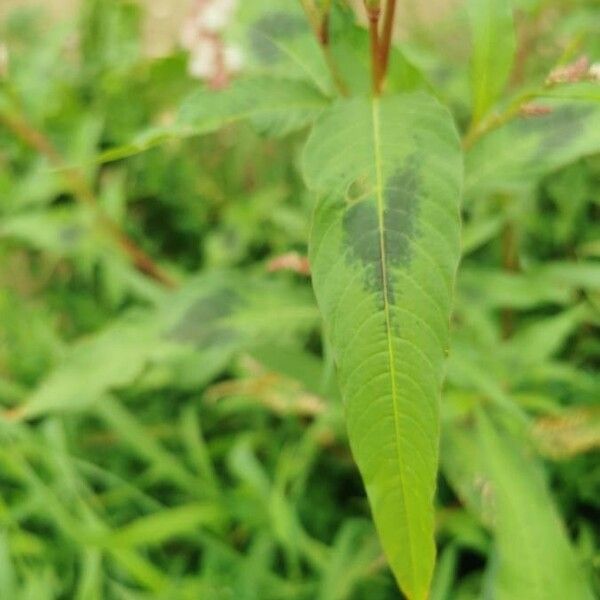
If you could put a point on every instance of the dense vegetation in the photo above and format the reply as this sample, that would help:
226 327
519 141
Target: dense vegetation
176 403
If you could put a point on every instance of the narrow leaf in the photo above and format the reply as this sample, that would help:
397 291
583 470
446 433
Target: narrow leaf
275 105
165 525
525 519
384 251
493 35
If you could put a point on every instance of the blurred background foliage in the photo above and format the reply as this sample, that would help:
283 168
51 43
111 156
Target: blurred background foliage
171 424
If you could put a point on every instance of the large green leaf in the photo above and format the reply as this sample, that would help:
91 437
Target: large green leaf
494 44
535 559
384 251
524 150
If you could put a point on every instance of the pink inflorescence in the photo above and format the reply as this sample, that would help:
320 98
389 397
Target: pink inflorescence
211 58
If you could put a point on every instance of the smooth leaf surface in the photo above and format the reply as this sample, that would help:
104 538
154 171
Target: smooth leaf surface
521 152
192 333
494 44
384 251
155 529
545 566
275 105
277 40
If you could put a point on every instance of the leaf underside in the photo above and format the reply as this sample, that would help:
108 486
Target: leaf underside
384 251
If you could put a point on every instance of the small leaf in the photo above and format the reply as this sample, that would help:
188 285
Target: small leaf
384 250
165 525
494 44
536 343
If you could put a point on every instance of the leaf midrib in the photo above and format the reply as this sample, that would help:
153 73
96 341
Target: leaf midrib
388 325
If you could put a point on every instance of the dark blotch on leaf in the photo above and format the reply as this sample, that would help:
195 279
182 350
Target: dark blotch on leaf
361 227
202 324
402 205
276 25
558 128
402 195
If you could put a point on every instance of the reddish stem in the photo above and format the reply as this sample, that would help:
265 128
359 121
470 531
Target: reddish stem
386 35
373 14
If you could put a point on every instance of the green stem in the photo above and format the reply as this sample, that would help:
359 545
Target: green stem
319 22
497 120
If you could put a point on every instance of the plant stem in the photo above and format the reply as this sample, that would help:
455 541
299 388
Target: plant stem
319 22
373 15
82 192
477 130
494 121
386 36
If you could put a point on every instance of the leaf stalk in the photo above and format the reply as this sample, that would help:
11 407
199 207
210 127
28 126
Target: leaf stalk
381 41
319 22
387 33
373 16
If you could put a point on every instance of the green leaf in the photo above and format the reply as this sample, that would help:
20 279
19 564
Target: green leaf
352 554
384 251
278 40
350 48
63 230
461 460
582 90
165 525
494 43
525 519
538 342
200 327
493 288
276 106
445 574
521 152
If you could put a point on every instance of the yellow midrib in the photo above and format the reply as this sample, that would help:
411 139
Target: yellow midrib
386 307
